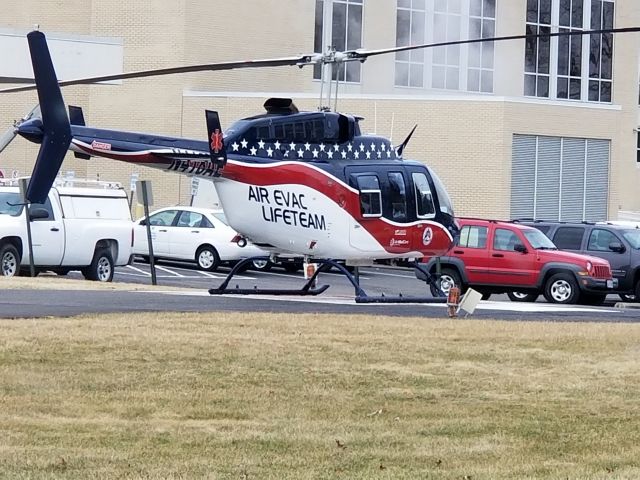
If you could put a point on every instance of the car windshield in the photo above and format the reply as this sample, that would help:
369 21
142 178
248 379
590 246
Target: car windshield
633 237
539 240
10 204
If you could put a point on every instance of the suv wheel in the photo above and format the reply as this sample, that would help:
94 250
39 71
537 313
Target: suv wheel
448 278
561 288
522 297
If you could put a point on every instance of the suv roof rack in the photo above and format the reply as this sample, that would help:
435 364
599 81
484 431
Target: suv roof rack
537 220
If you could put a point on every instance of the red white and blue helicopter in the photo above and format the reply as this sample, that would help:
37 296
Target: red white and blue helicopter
309 184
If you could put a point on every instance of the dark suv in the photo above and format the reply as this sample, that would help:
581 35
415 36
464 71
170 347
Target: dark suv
618 244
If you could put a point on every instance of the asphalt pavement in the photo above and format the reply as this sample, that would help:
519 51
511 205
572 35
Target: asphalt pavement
339 298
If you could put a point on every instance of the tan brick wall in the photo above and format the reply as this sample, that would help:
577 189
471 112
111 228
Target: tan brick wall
467 140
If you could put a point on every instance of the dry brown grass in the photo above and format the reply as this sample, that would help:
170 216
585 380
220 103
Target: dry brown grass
255 396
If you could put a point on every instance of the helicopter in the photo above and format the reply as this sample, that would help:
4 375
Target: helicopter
309 184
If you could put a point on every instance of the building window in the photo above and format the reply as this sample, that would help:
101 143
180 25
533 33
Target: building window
560 67
410 30
446 60
601 52
570 50
537 58
482 24
345 34
454 67
638 150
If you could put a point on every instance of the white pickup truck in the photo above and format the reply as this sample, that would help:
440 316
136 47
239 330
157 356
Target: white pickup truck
86 228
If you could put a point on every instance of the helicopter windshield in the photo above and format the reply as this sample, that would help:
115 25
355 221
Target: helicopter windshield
445 201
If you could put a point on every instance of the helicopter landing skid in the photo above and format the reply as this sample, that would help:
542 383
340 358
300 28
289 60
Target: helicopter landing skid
309 289
430 279
242 265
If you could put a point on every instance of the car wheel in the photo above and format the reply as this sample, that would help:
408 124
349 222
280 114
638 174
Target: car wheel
486 296
262 265
625 297
207 258
522 297
561 288
101 268
9 261
448 278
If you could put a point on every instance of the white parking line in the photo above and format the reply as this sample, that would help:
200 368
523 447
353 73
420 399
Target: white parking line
147 274
158 267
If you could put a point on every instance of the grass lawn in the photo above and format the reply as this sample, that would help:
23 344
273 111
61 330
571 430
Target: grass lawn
264 396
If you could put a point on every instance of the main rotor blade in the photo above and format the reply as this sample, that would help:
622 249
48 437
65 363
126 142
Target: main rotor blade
16 80
11 132
362 55
7 137
207 67
310 59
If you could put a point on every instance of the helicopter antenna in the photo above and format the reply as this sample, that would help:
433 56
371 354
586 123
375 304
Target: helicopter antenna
402 146
375 118
393 117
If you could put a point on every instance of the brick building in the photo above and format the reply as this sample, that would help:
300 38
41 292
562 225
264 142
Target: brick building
546 128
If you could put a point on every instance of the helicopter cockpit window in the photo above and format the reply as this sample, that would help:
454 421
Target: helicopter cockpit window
424 199
370 196
398 196
446 206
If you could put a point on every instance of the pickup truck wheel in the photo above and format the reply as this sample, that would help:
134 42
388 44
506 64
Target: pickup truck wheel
562 288
207 258
522 297
448 278
9 261
101 268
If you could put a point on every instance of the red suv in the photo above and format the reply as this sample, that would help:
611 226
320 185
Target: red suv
502 257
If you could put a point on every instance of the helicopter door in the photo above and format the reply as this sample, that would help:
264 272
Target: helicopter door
420 199
369 208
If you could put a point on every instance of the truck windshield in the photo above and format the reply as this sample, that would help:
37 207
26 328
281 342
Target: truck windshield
539 240
8 204
633 237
